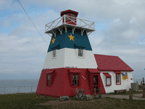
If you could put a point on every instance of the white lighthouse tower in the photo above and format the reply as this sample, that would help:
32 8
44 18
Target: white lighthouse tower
69 46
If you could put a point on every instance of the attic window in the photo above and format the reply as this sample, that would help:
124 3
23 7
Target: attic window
54 53
73 17
80 52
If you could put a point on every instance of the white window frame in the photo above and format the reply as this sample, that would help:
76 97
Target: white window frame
119 79
107 81
49 79
80 52
54 54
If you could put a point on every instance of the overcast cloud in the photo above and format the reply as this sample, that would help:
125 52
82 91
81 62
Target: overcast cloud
119 31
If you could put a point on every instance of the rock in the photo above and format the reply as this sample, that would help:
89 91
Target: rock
87 97
80 95
64 98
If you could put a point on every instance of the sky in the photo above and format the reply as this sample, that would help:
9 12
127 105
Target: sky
119 31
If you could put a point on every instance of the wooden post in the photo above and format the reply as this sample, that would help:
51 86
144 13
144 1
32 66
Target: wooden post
94 92
141 83
77 91
82 89
99 92
143 90
137 86
130 94
117 92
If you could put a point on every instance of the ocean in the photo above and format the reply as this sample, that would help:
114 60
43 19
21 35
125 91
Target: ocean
11 86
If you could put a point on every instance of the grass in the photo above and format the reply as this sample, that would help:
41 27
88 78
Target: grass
29 101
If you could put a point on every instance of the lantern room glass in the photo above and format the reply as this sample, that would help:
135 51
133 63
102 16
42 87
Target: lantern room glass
73 17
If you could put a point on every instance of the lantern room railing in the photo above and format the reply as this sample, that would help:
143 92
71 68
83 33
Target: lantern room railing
66 20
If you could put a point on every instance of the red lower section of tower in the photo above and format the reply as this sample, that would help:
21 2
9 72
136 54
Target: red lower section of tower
61 82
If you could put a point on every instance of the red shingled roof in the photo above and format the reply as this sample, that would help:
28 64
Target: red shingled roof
111 63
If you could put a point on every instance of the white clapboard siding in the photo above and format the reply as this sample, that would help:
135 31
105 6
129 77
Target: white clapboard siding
68 57
73 60
57 62
125 84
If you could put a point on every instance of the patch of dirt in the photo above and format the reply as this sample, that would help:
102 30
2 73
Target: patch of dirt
56 102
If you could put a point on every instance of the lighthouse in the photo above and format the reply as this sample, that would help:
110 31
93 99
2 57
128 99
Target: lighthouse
70 46
70 62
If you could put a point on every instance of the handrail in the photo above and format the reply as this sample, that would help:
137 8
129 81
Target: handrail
62 20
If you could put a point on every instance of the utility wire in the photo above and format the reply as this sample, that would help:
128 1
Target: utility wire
31 20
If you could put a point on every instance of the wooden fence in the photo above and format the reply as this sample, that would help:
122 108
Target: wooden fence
15 86
131 93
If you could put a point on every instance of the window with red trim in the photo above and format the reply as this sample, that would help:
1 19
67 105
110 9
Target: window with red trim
108 81
75 80
118 79
48 79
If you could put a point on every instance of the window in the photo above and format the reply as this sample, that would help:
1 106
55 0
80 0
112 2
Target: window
54 53
73 17
67 17
118 79
74 75
75 80
48 80
108 81
50 75
80 52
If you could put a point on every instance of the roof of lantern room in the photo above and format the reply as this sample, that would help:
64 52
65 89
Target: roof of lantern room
68 11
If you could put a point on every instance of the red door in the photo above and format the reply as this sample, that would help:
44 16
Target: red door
95 83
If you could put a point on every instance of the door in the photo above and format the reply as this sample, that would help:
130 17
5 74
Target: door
95 83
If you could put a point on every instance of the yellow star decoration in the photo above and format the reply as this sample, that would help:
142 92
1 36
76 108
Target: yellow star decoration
71 37
53 40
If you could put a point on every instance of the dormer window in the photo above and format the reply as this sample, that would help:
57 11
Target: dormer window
54 53
73 17
80 52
